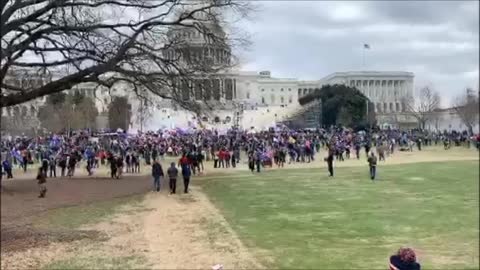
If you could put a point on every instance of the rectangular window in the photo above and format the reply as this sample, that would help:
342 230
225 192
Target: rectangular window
216 89
228 89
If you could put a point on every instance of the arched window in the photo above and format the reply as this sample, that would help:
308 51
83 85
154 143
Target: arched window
282 100
290 99
263 100
379 107
32 110
384 107
397 107
228 119
281 89
24 111
391 106
272 98
248 95
216 119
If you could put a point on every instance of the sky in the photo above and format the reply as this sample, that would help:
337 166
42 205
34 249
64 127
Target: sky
436 40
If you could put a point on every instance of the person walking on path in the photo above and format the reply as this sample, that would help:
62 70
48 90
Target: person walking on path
172 175
186 173
372 163
53 167
157 173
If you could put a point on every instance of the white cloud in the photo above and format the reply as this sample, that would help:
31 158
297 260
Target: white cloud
438 41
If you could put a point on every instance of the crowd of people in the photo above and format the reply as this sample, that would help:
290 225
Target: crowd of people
124 153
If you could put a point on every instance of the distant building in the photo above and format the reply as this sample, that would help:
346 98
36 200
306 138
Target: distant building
243 98
447 119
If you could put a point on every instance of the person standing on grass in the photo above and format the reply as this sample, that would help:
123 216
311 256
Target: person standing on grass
172 175
372 163
251 162
42 182
329 160
157 173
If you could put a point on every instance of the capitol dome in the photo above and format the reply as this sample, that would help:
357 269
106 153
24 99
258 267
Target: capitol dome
202 42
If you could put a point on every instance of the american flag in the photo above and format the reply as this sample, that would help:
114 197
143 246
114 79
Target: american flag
366 46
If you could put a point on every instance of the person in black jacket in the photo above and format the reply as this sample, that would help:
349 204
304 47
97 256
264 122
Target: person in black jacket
172 175
329 160
372 164
186 173
42 182
405 259
157 173
45 166
63 164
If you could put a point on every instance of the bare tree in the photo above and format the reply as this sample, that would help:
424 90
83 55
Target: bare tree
142 43
119 113
64 112
422 106
144 112
466 106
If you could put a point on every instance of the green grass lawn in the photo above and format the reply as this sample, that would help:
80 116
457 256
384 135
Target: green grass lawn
303 219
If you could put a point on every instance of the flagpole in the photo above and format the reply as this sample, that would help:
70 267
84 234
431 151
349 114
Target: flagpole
363 57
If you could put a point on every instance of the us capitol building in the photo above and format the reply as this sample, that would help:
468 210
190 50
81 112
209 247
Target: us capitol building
258 99
245 98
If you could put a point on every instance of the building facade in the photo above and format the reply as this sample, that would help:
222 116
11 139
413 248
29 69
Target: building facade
248 99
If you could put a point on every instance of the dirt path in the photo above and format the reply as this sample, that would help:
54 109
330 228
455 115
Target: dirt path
182 231
185 231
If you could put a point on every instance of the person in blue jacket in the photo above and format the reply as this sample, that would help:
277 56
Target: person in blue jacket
186 173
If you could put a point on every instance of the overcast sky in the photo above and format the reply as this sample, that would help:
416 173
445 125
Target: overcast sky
437 40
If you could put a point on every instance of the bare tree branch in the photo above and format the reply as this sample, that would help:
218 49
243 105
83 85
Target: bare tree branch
423 105
466 106
152 45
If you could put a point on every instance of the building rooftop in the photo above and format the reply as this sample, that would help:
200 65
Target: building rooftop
369 73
